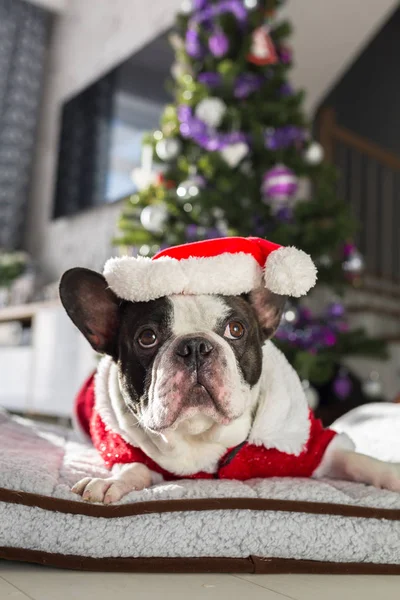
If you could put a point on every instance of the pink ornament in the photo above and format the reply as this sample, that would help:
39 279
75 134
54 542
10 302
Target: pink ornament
279 184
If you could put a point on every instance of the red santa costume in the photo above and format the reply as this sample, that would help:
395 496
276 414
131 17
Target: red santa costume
285 439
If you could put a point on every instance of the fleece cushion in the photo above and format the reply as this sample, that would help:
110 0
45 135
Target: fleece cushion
259 526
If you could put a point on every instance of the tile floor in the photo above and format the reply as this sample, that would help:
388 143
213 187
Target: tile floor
28 582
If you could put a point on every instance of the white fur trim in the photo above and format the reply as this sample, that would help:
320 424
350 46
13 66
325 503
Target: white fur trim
282 418
142 279
290 272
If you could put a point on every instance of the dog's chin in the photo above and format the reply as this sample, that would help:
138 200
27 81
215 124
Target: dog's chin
198 413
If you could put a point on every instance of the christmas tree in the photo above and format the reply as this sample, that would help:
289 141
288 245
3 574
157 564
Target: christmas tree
234 156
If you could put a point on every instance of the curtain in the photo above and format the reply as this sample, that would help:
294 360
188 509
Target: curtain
24 31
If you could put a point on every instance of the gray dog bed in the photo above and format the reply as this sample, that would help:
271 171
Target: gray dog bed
260 526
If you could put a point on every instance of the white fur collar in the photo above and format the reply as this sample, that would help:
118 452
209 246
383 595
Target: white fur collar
281 420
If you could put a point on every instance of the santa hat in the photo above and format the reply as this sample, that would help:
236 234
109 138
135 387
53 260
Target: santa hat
227 266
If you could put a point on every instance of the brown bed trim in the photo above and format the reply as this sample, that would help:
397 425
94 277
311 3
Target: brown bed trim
194 504
250 565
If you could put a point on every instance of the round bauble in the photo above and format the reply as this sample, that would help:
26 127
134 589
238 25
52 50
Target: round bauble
279 184
342 385
354 263
250 4
372 387
154 217
314 154
211 111
168 148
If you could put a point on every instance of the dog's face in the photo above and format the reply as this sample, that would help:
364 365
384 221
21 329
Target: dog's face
188 361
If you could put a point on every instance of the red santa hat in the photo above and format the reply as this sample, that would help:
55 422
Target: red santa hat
227 266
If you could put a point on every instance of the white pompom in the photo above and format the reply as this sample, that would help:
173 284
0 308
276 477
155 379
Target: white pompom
290 272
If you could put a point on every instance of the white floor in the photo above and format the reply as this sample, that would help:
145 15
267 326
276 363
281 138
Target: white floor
22 582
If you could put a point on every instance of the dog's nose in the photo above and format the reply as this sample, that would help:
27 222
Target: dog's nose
194 350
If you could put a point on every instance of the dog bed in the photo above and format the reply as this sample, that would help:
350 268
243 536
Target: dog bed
260 526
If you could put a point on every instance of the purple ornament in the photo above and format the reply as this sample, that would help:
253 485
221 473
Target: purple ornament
329 338
279 183
283 137
336 310
210 79
342 386
284 214
246 84
285 55
218 44
286 90
191 233
348 249
192 42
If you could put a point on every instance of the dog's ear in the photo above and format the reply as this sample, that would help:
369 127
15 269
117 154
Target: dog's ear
92 307
268 308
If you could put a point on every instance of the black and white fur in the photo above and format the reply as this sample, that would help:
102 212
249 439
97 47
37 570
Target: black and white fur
198 390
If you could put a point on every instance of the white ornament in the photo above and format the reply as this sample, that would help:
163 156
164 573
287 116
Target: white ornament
354 264
234 153
154 217
211 111
250 4
186 7
311 394
168 148
372 387
314 154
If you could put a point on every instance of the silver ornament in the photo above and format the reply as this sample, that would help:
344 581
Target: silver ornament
154 217
314 154
251 4
168 148
311 394
372 387
190 188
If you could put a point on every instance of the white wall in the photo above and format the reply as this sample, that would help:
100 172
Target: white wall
91 36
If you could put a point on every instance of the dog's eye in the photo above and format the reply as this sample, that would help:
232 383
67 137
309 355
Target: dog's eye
148 339
234 330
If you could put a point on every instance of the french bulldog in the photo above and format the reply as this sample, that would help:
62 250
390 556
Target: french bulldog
185 379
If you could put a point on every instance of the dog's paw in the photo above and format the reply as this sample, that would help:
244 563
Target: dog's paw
388 478
127 479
